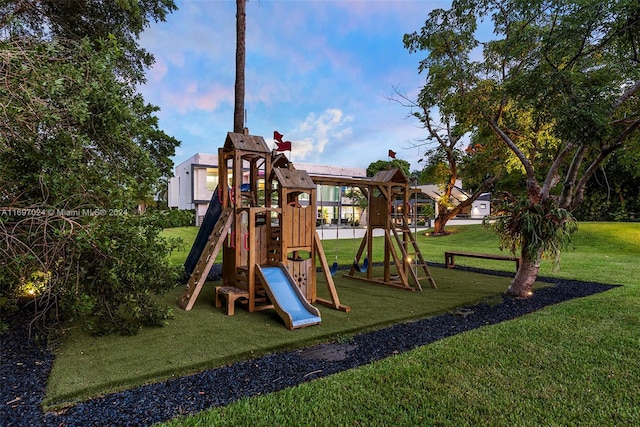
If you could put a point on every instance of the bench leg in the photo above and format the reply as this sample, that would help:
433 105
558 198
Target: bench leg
231 304
230 299
218 302
449 261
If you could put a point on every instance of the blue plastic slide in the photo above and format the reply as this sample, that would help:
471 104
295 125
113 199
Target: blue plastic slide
208 223
287 298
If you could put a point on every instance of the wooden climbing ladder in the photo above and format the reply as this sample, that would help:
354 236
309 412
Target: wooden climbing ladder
207 258
403 243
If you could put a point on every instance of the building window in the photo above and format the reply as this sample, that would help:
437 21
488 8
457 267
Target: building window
483 206
328 193
212 179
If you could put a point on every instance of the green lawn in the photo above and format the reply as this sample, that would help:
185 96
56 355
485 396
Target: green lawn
575 363
461 378
604 249
187 235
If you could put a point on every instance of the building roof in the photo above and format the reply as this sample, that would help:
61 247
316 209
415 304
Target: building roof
435 192
331 170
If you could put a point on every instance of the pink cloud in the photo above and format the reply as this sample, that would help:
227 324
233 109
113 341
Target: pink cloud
195 98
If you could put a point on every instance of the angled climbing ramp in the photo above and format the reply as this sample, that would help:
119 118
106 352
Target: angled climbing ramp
207 258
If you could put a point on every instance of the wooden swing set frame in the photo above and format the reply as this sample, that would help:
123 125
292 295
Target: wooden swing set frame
381 191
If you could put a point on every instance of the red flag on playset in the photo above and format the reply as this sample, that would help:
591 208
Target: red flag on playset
283 146
280 144
392 154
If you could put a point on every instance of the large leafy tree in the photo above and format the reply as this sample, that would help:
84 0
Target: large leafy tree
446 161
557 86
381 165
79 148
123 20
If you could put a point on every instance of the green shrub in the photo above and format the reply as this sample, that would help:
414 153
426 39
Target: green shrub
101 272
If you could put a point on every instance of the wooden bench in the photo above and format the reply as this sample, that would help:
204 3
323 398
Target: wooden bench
450 260
230 294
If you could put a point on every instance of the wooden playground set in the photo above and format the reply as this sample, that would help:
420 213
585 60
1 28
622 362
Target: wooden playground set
271 251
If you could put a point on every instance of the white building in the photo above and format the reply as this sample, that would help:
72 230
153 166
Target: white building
480 207
194 182
197 177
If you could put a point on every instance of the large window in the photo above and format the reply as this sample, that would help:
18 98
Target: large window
328 193
212 179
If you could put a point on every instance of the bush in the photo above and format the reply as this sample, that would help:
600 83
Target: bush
79 147
101 271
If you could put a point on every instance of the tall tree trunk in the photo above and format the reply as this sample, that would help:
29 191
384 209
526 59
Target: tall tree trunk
522 284
441 220
241 29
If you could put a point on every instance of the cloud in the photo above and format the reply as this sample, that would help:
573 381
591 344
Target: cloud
311 137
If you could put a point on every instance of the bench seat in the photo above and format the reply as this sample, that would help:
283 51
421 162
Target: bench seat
450 260
230 294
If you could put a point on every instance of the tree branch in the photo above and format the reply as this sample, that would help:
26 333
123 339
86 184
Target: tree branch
566 197
513 147
597 162
626 95
551 180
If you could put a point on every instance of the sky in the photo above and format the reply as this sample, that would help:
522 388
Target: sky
319 72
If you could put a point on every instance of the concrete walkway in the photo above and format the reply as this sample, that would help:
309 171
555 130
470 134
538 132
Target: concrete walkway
328 232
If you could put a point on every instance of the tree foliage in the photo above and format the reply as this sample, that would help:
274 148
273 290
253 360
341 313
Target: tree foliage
534 228
613 194
381 165
79 148
93 20
557 86
447 162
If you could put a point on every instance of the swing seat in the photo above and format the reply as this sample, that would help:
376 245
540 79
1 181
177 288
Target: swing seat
334 268
363 268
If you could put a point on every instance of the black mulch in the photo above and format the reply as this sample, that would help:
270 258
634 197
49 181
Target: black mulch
24 368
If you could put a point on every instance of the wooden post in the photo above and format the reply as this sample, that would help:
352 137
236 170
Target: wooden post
331 287
251 266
